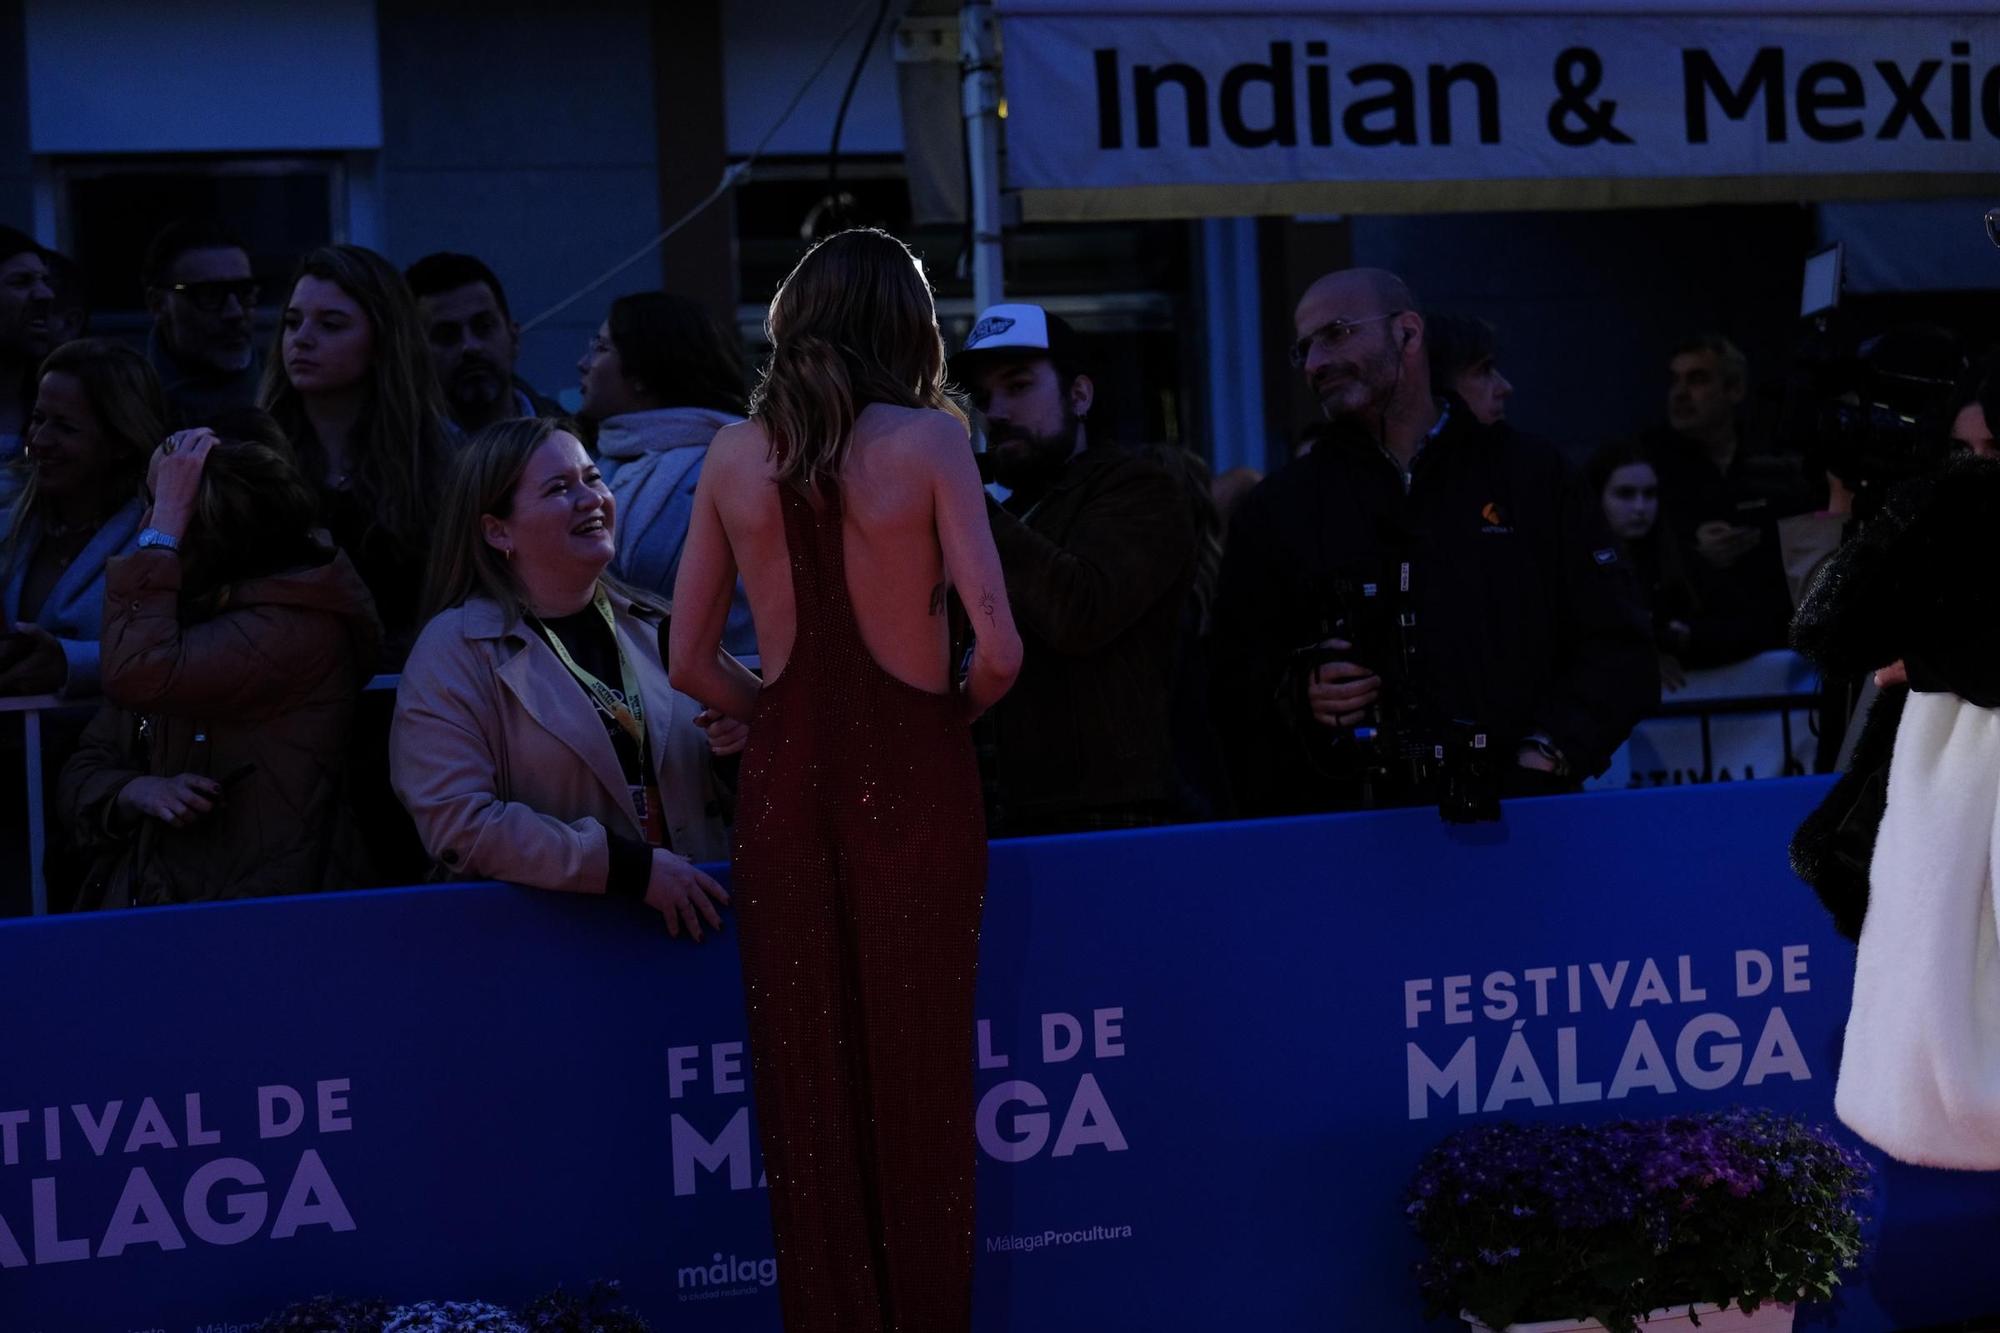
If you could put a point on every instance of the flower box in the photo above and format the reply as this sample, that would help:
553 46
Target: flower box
1675 1319
1616 1226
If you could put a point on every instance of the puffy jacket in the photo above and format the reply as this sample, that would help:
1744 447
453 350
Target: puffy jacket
264 691
652 462
1527 619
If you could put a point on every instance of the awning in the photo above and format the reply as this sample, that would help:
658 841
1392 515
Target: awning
1188 108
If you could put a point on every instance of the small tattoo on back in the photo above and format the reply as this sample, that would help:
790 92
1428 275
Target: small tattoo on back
986 604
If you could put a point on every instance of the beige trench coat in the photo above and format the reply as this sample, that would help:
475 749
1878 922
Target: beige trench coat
504 765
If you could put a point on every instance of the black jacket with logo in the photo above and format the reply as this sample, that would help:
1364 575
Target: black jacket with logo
1525 617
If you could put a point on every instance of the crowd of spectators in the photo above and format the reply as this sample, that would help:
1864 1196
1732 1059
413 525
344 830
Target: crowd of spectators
216 545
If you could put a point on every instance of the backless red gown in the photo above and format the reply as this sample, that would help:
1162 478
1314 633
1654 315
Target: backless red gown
858 879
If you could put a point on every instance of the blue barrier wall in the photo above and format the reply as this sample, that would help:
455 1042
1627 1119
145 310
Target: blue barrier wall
1209 1058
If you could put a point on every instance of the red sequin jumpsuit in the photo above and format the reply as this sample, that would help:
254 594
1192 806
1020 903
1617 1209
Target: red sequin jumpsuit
858 879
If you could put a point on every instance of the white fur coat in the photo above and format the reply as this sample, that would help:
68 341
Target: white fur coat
1920 1077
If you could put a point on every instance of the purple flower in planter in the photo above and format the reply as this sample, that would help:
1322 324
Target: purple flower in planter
1546 1220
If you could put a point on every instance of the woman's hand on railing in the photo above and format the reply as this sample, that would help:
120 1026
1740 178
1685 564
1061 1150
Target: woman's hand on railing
683 895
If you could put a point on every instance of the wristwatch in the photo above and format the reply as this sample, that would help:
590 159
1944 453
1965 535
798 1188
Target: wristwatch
153 537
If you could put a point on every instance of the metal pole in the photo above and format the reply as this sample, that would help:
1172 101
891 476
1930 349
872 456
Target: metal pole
38 888
979 65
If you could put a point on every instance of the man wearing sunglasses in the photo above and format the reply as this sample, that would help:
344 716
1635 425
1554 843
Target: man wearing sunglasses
1417 569
202 295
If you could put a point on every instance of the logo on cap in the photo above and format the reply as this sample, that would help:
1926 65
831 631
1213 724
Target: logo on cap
991 326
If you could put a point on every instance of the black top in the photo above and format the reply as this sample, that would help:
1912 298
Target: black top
393 572
1743 609
591 645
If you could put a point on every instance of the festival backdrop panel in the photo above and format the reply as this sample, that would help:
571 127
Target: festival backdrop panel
1206 1061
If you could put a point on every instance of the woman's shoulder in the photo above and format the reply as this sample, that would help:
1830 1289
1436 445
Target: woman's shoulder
915 434
456 634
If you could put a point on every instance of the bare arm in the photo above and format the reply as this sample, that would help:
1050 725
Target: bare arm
696 664
972 565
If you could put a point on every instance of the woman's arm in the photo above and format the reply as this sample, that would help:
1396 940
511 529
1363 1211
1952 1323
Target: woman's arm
247 660
696 664
972 564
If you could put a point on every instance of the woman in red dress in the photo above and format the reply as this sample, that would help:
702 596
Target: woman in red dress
851 506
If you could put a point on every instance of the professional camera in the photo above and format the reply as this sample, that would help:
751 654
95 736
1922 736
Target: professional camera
1397 755
1872 410
1866 407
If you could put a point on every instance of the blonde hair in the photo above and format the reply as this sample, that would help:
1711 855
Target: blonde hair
853 324
483 478
124 395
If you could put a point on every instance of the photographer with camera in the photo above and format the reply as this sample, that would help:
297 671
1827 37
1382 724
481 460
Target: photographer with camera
1424 608
1098 543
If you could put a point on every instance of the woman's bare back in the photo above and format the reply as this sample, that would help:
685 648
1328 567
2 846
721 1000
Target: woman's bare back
895 564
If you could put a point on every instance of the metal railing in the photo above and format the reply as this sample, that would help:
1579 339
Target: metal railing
31 707
1784 705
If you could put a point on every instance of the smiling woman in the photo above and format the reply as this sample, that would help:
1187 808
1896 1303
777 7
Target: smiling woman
98 412
536 737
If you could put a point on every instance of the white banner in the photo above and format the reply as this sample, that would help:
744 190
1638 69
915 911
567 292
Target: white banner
1102 100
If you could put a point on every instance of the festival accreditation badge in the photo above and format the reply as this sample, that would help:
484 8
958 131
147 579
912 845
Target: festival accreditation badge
652 818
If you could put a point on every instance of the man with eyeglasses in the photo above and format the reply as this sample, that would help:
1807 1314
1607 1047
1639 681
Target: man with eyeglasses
1418 569
202 294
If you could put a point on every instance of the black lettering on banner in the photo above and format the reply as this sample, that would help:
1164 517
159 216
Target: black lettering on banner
1989 101
1909 97
1146 83
1399 102
1284 126
1486 100
1961 93
1815 99
1574 120
1765 78
1319 97
1110 117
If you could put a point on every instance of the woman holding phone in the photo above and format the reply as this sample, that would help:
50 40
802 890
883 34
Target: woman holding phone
235 647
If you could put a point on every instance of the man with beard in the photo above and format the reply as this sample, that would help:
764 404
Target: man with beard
27 332
1418 568
474 341
202 294
1098 545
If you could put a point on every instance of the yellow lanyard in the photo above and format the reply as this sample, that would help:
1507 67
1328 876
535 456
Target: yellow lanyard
630 713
